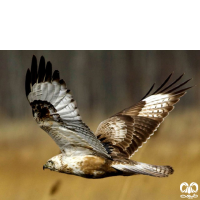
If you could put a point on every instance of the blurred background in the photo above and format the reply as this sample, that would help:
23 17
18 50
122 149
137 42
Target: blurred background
103 83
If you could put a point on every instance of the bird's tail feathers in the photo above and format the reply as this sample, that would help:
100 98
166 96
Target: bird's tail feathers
143 168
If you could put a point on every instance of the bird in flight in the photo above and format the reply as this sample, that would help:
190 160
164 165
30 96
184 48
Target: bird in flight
106 152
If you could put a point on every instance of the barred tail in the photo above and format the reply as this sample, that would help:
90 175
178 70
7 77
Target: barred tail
145 169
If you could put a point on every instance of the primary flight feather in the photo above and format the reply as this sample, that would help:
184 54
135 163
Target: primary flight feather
106 152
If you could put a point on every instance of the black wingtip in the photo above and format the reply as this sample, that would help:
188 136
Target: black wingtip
164 83
169 89
56 75
34 70
63 84
34 57
172 90
184 90
48 76
148 92
41 71
173 83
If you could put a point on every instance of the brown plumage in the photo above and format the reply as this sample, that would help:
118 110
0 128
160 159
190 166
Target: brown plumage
108 151
138 122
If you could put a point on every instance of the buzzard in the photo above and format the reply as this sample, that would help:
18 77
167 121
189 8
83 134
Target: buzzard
106 152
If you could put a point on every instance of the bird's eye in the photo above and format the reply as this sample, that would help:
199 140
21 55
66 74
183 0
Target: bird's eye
50 162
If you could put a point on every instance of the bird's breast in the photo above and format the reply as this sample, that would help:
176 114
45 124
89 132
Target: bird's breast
88 166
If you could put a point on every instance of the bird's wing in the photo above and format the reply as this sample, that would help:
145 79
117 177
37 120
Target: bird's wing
55 110
126 131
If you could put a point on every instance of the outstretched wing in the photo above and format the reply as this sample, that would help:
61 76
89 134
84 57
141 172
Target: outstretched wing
55 110
127 130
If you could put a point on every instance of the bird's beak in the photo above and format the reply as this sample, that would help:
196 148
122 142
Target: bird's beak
44 167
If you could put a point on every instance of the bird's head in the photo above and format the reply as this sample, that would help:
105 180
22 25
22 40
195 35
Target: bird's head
49 165
53 164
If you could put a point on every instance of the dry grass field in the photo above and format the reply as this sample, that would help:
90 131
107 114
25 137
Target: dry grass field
24 148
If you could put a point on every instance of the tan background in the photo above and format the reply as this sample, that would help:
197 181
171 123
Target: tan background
103 83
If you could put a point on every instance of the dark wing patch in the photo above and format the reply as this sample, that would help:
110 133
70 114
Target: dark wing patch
127 130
